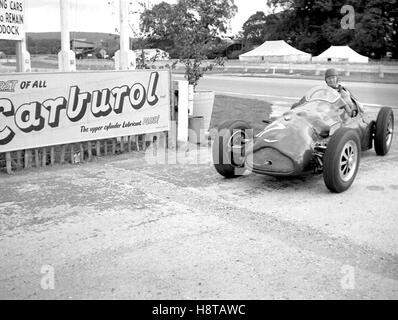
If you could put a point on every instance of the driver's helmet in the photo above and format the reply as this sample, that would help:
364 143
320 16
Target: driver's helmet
332 78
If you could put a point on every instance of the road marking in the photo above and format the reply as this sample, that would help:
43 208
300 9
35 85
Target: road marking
256 95
371 105
280 102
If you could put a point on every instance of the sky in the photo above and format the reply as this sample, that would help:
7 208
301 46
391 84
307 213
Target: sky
100 16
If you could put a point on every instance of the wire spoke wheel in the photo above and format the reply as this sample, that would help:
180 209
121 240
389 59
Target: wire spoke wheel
341 160
348 161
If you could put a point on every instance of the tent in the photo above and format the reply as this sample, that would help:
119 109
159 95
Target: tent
341 54
275 51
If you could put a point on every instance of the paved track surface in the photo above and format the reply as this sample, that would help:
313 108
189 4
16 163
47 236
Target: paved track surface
290 90
283 92
125 228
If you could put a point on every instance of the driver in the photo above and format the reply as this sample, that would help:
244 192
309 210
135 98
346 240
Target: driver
332 80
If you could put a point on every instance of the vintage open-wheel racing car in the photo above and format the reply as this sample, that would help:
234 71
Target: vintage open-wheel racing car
318 136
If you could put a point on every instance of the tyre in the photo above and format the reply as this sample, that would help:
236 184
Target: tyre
384 131
341 160
229 148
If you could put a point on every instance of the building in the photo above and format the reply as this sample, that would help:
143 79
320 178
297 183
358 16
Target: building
82 48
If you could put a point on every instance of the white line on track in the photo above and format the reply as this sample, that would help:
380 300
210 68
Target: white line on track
256 95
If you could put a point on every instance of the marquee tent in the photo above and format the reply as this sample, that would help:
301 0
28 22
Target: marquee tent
341 54
275 51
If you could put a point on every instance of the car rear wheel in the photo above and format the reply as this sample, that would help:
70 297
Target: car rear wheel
341 160
229 148
384 131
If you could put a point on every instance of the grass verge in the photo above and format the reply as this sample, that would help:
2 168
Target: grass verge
233 108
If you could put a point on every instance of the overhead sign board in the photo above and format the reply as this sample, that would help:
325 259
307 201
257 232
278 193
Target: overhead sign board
12 19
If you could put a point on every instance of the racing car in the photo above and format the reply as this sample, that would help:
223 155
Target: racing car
318 136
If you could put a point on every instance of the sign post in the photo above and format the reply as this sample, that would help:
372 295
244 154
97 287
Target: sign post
23 57
66 57
12 27
125 58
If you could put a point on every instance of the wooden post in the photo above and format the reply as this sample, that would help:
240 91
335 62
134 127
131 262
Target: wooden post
183 106
98 148
122 145
72 153
90 151
129 144
143 140
27 159
37 160
172 136
19 159
105 147
81 152
8 163
63 151
381 72
113 146
347 70
137 143
44 157
52 155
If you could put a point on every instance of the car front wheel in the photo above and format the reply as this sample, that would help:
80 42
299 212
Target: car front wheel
229 148
341 160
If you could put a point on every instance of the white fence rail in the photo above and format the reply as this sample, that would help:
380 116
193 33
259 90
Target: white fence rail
316 68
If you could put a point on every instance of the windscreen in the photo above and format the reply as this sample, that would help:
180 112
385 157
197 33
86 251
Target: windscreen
322 93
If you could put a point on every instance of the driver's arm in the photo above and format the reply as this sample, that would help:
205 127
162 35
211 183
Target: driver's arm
296 104
350 106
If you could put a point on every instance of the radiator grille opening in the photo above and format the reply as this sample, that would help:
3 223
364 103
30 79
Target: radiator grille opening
271 160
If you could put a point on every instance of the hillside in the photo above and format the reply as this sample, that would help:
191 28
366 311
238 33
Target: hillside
50 42
95 37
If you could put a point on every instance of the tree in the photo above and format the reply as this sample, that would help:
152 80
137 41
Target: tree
314 25
254 29
156 23
187 27
189 22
